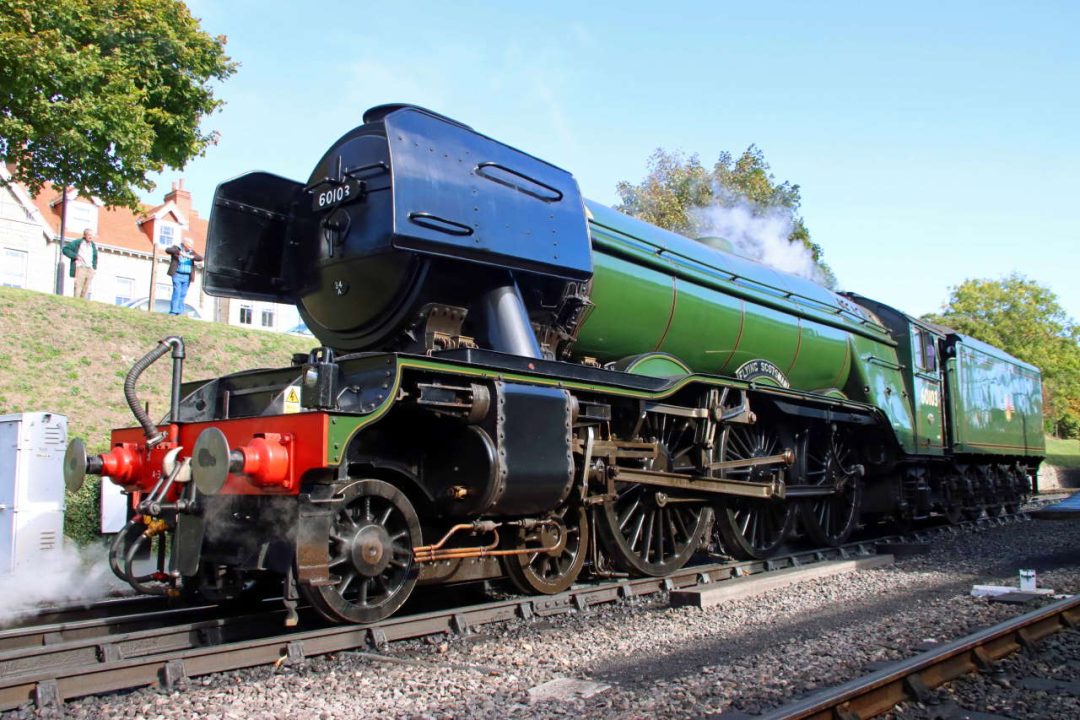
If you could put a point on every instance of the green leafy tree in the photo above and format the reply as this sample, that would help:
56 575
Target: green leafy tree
677 185
98 94
1025 319
674 186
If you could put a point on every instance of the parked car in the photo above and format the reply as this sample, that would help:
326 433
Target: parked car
300 329
161 305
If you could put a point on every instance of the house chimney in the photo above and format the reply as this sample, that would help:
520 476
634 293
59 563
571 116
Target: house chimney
181 197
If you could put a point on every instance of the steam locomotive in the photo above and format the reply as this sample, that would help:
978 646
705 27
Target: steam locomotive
516 382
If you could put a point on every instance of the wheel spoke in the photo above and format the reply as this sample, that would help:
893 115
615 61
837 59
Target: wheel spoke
636 535
649 535
662 513
350 524
346 581
678 520
625 517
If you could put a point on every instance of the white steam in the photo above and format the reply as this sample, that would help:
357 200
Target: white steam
71 576
758 234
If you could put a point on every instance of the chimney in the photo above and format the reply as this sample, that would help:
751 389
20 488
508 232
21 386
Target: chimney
181 197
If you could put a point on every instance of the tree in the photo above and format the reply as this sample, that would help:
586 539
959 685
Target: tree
678 187
675 185
1024 319
97 94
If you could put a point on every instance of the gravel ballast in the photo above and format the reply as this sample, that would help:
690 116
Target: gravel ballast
642 658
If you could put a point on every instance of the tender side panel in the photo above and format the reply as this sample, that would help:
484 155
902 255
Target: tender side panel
995 404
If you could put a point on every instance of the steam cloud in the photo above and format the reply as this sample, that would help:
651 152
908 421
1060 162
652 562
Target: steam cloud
757 234
72 576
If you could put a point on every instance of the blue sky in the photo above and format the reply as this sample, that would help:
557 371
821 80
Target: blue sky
933 142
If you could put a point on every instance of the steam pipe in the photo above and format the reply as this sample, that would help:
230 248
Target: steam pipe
436 552
178 355
506 321
153 435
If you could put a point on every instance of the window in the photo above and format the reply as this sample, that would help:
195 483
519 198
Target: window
167 235
245 314
926 347
163 291
268 318
81 215
125 290
13 271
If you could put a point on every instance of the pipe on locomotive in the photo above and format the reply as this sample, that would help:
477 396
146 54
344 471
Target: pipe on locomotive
176 344
506 320
120 463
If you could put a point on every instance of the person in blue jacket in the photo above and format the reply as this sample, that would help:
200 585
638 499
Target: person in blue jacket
181 266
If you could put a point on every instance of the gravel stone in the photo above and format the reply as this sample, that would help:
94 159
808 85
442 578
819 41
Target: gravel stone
745 656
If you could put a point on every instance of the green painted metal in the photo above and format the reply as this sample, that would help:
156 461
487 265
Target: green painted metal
926 387
717 312
343 427
995 401
674 307
654 364
878 377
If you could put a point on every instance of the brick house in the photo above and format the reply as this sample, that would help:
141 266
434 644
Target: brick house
131 251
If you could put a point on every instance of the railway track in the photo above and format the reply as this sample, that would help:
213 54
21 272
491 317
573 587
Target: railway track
69 657
914 678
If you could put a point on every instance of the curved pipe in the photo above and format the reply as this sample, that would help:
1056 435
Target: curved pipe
153 435
124 548
436 552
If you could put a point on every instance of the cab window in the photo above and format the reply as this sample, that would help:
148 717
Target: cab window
925 350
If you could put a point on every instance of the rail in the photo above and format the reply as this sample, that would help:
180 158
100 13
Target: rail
912 679
57 663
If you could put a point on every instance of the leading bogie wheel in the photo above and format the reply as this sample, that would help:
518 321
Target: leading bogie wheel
373 531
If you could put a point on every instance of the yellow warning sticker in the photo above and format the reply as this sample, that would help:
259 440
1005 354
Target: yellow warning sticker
292 400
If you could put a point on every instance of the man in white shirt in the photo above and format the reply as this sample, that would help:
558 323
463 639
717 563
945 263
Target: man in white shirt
84 258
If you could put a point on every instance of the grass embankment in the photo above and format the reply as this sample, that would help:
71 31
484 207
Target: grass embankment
70 356
1063 453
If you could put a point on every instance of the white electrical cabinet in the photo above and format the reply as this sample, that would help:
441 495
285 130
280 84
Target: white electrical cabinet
32 449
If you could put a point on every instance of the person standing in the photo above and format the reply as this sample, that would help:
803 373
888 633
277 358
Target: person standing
181 266
84 256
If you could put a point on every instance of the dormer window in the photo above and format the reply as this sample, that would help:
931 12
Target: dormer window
166 234
81 215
